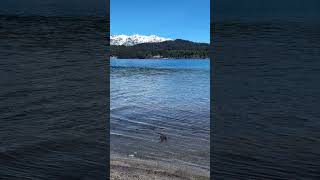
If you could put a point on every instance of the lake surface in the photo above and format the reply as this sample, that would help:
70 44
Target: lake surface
53 106
161 96
266 100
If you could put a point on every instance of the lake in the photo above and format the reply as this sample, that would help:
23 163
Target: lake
53 105
153 96
266 100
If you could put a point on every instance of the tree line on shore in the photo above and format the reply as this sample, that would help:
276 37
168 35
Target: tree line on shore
167 49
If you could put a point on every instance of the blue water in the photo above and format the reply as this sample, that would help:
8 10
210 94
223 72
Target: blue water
266 101
163 63
53 110
161 96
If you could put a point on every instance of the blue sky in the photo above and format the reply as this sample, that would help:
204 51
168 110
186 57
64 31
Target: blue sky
184 19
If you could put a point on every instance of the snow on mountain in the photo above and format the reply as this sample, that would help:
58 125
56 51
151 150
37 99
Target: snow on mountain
135 39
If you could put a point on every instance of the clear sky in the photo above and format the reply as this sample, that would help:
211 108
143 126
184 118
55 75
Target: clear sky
183 19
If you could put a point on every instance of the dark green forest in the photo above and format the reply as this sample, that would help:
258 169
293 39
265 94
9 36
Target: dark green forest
168 49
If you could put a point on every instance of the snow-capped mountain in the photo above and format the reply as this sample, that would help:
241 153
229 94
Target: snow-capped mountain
135 39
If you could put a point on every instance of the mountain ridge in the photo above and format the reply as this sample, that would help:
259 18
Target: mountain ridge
131 40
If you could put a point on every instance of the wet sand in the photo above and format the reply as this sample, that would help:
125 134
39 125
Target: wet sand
123 168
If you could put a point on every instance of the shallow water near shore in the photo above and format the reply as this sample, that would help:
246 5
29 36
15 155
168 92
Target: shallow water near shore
124 168
171 97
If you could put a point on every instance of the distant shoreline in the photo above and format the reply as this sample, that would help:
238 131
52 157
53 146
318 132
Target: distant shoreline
177 49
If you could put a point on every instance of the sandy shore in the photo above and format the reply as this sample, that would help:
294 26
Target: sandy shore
123 168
